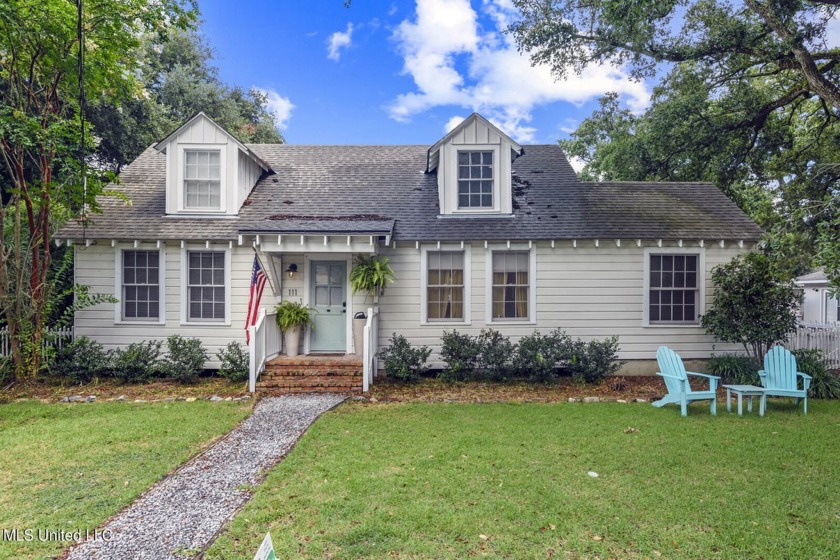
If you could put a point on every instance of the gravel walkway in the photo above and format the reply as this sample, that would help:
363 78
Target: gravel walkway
177 517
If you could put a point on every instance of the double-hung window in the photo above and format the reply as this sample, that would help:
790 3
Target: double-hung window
445 286
511 285
674 281
202 180
140 285
206 291
475 179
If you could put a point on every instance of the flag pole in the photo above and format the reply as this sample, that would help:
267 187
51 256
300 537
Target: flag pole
267 275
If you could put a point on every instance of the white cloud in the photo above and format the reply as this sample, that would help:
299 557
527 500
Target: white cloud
338 41
452 123
577 164
281 107
496 79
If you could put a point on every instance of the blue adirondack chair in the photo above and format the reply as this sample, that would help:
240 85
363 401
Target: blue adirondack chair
676 380
780 378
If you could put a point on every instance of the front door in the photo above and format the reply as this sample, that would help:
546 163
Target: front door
329 298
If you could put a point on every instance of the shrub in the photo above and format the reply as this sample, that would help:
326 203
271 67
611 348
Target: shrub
403 361
185 360
137 362
734 369
496 355
751 307
594 361
235 362
825 383
538 355
80 361
460 353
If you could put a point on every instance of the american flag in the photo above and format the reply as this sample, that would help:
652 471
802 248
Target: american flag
258 279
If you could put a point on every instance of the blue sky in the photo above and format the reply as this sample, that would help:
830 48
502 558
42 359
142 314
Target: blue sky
400 72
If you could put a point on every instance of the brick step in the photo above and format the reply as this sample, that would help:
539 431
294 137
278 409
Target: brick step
312 374
271 372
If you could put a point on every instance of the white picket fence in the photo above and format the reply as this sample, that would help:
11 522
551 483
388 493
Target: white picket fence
825 337
54 338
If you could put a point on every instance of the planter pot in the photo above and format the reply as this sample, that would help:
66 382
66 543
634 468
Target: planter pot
359 333
291 340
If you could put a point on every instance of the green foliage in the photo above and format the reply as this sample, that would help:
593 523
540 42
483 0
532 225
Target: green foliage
184 360
734 369
137 362
496 355
825 383
293 314
402 361
178 79
234 362
460 353
593 361
81 361
751 307
371 274
538 355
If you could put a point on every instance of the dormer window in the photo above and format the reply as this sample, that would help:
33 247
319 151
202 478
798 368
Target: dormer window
475 179
202 180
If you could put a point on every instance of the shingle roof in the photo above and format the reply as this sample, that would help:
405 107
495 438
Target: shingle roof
337 188
816 276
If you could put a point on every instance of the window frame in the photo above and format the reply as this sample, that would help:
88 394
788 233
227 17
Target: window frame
700 302
532 283
185 296
181 178
493 179
119 319
424 283
452 176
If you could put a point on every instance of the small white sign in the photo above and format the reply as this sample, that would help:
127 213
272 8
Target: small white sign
266 550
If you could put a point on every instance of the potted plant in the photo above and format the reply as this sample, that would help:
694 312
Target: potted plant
370 274
292 316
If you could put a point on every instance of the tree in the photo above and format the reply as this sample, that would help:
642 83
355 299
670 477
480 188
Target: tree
40 131
177 79
751 307
747 99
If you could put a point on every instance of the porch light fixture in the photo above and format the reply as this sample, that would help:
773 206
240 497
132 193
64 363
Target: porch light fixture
292 270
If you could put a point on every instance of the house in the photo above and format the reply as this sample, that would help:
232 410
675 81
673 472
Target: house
481 232
818 307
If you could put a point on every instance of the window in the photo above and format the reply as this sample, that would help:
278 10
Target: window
445 286
141 285
674 288
475 179
206 286
511 285
202 179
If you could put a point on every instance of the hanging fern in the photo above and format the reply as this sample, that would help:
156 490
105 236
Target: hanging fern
371 274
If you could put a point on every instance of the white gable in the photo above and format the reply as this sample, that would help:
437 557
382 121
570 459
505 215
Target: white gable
480 140
219 176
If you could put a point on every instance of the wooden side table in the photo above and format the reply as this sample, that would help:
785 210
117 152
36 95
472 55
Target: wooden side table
748 391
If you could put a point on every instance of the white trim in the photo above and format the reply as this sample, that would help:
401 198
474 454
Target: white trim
465 248
532 283
190 248
182 162
118 260
701 284
452 176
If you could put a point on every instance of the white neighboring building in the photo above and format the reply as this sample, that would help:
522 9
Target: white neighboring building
817 305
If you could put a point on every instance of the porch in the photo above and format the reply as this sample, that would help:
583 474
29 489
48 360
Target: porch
309 373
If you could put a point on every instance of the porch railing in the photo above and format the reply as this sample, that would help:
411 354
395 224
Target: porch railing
825 337
371 340
265 344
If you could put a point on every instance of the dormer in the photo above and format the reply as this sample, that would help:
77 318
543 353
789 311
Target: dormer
208 172
473 164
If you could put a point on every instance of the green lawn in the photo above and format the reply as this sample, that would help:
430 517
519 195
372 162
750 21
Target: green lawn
510 481
73 466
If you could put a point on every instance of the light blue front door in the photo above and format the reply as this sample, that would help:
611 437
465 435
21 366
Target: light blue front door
329 298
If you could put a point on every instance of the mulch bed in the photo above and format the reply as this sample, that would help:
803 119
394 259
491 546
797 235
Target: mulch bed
434 391
108 390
